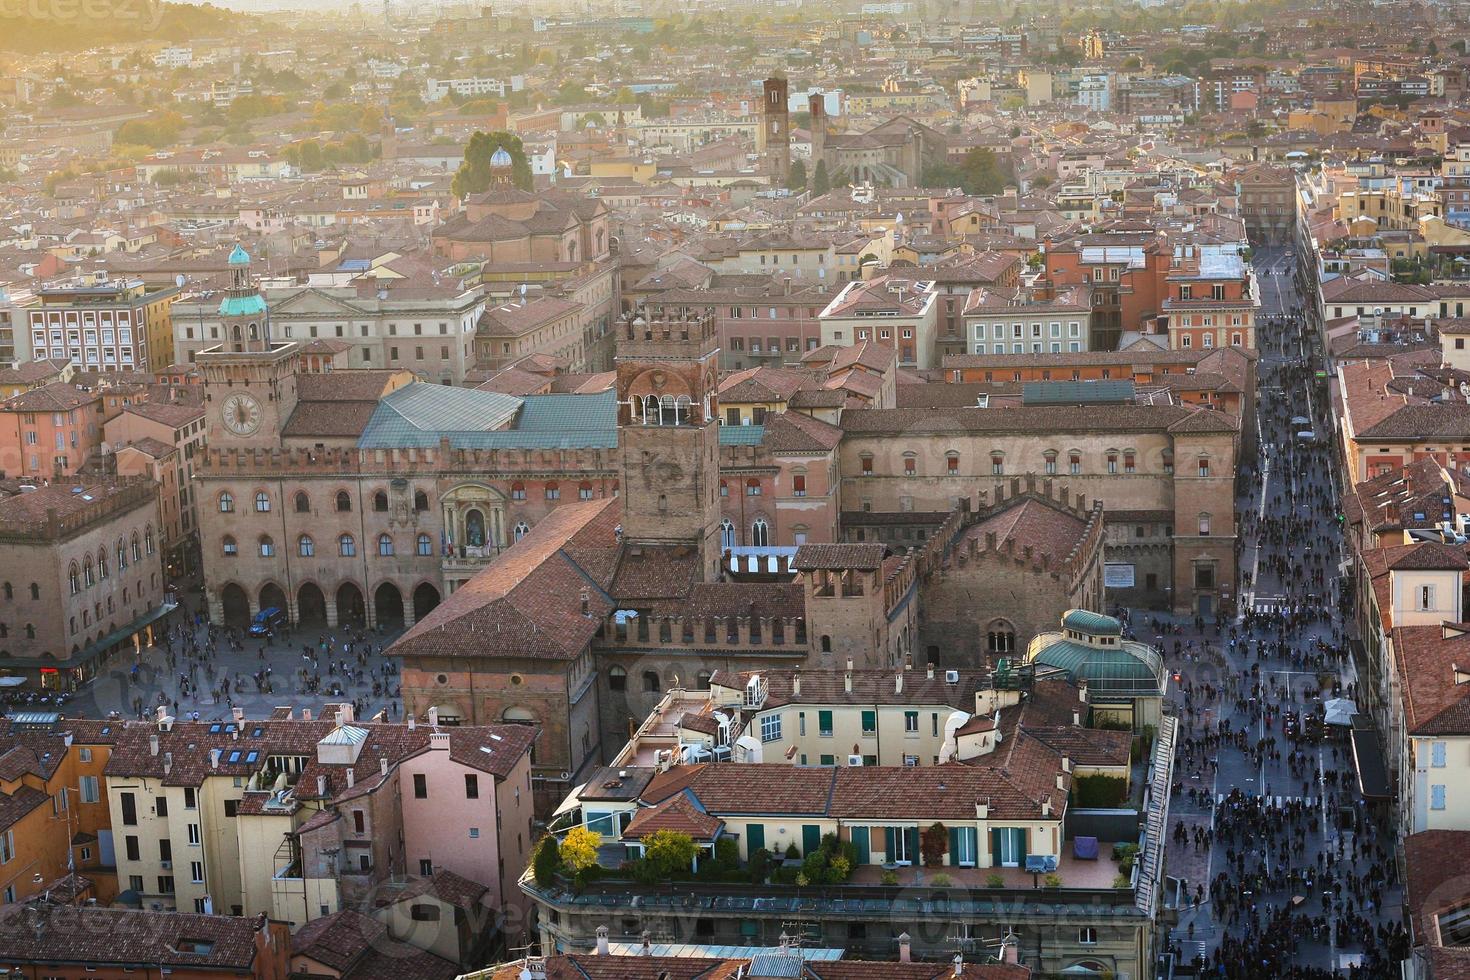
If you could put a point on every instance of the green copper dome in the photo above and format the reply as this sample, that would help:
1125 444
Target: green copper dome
252 305
239 256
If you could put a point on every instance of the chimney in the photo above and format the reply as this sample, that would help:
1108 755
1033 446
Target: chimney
898 683
905 950
1061 780
847 678
383 765
214 758
434 717
346 713
602 949
352 777
1012 953
647 945
795 684
306 714
930 671
1076 718
168 762
1082 691
1066 763
959 965
411 722
238 714
152 744
321 785
1046 808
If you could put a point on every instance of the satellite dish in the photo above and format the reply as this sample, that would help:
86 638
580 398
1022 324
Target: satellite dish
180 279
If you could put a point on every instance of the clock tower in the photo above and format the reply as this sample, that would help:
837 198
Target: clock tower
668 433
249 382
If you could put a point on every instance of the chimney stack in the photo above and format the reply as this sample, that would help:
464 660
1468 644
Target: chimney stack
321 785
214 758
905 949
383 765
434 717
168 762
930 671
352 777
306 714
602 949
898 683
796 684
152 744
847 678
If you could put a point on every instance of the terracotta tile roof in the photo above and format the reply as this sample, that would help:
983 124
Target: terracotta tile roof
577 966
1437 879
17 805
763 788
763 384
514 381
1033 523
448 887
528 602
54 397
1028 418
338 940
1434 703
862 557
650 573
793 432
1430 556
167 413
64 934
858 970
348 386
678 814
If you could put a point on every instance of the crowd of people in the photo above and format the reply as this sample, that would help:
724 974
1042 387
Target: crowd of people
1301 875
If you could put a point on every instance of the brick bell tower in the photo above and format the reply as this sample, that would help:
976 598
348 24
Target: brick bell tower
776 130
668 432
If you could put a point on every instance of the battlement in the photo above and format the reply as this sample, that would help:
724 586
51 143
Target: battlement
776 633
422 462
668 333
1007 495
76 514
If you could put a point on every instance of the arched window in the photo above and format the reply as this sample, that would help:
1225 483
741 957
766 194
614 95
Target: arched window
380 502
89 574
303 502
553 490
910 463
1111 457
752 487
385 545
584 491
425 545
727 534
229 547
267 546
346 547
522 529
9 592
952 463
262 502
702 679
137 551
30 631
226 502
760 533
724 489
666 410
518 491
35 592
617 678
1204 524
1049 461
997 464
1001 637
305 546
681 410
650 410
1074 462
74 578
420 501
102 569
148 539
122 555
651 681
344 501
826 643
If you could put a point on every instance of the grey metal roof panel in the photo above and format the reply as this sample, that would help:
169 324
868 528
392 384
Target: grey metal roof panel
742 435
1075 392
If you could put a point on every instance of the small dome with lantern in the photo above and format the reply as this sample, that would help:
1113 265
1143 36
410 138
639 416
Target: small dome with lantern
501 158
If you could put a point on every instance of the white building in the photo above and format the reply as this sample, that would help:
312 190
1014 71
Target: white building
175 57
1095 92
436 89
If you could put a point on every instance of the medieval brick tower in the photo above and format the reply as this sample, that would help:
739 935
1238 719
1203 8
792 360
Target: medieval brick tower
776 130
668 436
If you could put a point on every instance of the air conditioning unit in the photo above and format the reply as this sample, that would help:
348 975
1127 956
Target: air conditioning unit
951 677
722 753
166 865
854 760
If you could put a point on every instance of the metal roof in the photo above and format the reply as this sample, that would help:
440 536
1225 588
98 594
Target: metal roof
1075 392
418 414
1091 622
1130 669
346 735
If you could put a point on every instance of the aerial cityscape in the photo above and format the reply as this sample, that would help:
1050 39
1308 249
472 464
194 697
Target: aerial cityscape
735 490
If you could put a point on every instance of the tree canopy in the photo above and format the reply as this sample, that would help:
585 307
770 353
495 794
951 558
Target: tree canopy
475 172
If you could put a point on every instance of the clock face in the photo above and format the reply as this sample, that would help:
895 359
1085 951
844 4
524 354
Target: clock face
241 414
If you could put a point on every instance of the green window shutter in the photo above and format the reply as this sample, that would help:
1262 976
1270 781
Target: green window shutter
811 838
888 845
1022 838
914 855
860 840
954 845
824 722
755 838
995 833
829 760
870 722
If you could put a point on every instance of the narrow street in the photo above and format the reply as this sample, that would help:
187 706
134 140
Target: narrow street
1279 867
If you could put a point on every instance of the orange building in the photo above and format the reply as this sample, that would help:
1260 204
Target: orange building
1212 302
1125 273
49 432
